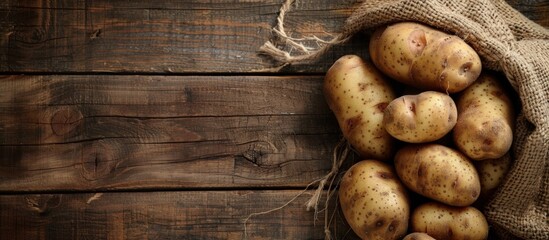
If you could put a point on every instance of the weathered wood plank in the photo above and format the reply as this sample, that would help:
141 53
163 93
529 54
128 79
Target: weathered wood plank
169 36
161 215
154 36
142 132
279 160
535 10
160 96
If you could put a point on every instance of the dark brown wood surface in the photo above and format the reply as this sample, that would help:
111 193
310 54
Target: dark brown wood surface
163 215
139 132
160 120
154 36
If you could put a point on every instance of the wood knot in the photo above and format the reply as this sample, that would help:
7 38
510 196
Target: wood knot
65 121
98 159
256 153
253 156
42 204
38 35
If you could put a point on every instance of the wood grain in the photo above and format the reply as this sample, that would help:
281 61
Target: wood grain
141 132
535 10
156 36
162 215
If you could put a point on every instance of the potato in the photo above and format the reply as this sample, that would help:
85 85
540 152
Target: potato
357 94
424 57
374 201
445 222
492 172
418 236
484 129
421 118
439 173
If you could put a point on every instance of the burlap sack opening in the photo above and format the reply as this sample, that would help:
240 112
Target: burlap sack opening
507 42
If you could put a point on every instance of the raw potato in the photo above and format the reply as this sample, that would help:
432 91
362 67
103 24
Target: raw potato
492 172
374 201
444 222
421 118
424 57
357 94
484 129
438 172
418 236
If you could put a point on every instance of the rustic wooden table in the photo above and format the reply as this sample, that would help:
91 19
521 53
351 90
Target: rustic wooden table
160 120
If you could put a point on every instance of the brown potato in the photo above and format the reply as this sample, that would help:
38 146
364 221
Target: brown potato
357 94
484 129
418 236
424 57
374 201
444 222
421 118
439 173
492 172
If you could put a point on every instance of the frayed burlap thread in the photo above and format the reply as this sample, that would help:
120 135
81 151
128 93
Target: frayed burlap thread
304 54
507 42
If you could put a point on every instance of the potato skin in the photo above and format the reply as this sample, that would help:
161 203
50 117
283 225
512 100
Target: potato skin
418 236
439 173
444 222
424 57
421 118
492 172
374 201
357 94
484 129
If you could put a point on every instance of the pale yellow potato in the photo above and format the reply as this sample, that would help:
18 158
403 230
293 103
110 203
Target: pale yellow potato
484 129
418 236
421 118
444 222
374 201
423 57
439 173
357 93
492 172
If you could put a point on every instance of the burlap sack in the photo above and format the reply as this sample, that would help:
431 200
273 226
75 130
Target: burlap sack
507 42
